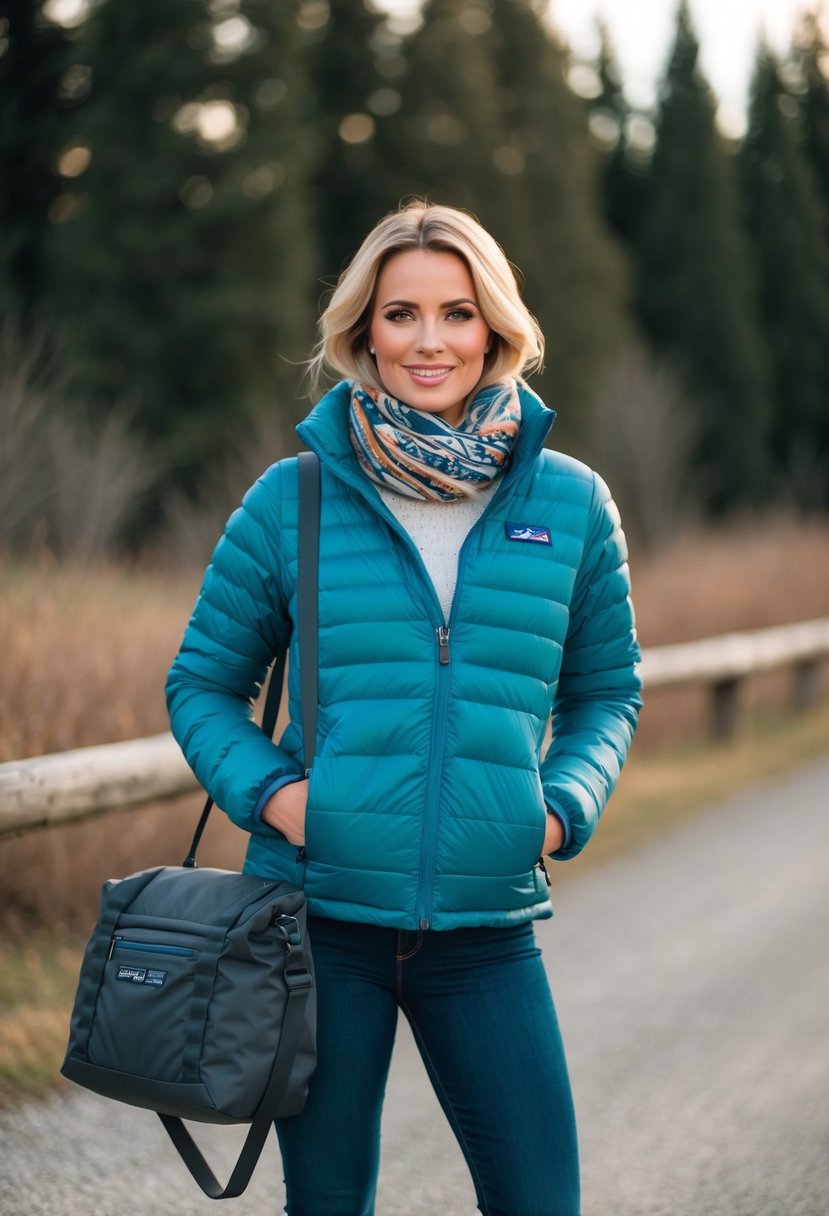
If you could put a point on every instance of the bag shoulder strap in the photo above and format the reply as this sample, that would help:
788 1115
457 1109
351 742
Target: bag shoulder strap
308 599
308 625
298 979
297 975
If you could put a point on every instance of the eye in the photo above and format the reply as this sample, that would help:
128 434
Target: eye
460 314
397 314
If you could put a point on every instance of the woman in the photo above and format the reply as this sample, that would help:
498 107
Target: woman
470 582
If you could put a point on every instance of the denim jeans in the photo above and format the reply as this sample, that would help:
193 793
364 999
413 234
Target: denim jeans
480 1008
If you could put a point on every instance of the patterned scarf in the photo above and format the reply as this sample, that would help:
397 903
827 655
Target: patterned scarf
421 456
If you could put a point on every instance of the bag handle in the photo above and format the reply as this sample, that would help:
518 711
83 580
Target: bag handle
308 545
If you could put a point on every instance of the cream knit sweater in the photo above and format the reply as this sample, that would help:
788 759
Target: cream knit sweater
438 529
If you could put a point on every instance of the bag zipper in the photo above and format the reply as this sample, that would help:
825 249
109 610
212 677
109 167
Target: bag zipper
121 943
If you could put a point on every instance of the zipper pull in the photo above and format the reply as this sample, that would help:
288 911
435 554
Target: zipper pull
113 943
542 865
443 645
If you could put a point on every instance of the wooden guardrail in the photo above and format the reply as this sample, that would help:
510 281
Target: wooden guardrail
49 790
722 662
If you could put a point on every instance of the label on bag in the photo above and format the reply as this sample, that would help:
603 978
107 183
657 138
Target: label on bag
133 975
142 975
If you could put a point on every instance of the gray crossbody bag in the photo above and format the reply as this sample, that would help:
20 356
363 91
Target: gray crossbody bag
196 994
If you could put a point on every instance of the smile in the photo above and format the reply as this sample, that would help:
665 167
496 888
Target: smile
429 373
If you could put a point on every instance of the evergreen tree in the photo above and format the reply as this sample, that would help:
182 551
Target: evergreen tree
350 102
33 60
489 124
451 119
184 275
623 175
810 56
788 224
696 290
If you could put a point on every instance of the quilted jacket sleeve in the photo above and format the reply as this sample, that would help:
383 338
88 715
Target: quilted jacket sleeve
240 621
598 700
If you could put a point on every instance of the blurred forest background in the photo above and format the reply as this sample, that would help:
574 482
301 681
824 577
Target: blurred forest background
182 182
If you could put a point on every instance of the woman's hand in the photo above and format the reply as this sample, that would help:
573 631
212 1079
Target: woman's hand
285 811
553 835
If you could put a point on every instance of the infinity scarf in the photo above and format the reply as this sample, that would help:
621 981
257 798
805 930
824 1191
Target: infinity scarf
421 456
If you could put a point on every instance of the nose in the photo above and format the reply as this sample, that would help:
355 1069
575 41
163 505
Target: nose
429 339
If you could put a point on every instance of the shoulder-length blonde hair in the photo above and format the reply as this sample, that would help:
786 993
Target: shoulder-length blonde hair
517 342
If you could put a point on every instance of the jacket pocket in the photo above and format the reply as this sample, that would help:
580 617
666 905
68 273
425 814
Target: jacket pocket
277 858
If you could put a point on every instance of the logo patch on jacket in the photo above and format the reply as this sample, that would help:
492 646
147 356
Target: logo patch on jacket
529 532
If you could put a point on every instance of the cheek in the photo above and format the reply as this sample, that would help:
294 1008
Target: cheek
474 345
387 345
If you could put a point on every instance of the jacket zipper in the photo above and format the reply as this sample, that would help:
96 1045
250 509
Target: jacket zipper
429 848
429 844
443 645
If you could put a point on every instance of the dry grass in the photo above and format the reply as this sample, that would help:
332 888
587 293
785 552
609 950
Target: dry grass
85 653
37 983
757 573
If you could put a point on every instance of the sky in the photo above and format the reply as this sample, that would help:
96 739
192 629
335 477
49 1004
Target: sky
642 33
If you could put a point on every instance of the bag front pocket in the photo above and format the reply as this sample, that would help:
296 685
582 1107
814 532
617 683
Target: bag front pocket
145 1004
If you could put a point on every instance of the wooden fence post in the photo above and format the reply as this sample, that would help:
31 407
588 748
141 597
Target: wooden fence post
805 684
725 707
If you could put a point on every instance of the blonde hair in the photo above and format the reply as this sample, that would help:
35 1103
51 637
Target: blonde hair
517 342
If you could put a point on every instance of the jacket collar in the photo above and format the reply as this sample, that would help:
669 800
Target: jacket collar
325 431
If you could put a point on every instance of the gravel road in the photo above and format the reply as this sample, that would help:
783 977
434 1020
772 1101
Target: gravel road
692 981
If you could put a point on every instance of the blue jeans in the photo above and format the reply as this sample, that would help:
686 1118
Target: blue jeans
480 1007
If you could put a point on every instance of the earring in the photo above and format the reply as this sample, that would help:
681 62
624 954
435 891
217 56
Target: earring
371 350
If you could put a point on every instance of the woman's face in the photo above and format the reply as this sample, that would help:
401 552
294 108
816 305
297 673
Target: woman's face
427 332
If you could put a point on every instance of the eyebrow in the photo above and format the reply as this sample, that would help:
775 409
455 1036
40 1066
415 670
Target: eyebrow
447 304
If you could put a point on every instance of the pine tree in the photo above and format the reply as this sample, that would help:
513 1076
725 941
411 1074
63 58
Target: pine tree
696 291
185 274
451 118
809 60
787 222
623 174
33 61
350 103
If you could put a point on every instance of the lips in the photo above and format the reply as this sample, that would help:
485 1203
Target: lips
429 374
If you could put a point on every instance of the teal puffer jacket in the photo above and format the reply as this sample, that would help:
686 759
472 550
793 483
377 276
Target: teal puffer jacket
427 800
